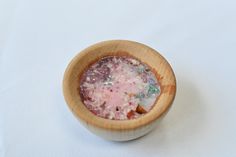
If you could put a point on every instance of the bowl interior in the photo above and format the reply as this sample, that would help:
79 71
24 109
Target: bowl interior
145 54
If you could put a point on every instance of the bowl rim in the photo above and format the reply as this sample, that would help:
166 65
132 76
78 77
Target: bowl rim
114 124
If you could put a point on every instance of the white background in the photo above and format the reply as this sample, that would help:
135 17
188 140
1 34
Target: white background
39 38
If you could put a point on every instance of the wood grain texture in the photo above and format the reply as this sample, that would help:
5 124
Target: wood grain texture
119 130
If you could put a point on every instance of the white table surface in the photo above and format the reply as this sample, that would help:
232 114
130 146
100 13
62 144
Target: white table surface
39 38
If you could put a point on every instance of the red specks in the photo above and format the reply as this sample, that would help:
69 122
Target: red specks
117 108
140 109
130 114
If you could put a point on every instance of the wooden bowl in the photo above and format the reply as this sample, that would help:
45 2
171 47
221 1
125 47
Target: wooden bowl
119 130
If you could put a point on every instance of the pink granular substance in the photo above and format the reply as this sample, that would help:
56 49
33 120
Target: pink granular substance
119 88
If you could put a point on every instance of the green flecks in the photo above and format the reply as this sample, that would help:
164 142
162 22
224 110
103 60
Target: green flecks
140 95
140 69
152 89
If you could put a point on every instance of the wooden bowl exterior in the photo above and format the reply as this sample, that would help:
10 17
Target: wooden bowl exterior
119 130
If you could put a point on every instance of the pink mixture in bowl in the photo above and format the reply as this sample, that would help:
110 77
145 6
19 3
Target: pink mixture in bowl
119 88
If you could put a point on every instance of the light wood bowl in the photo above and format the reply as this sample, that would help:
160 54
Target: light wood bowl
119 130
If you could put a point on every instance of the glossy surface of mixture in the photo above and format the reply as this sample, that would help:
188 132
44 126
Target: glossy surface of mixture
119 88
